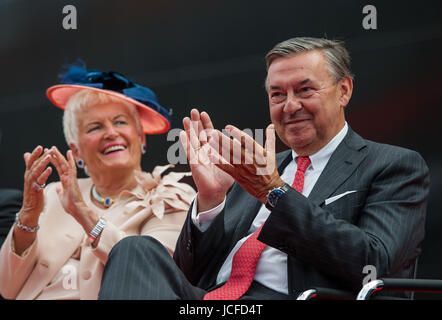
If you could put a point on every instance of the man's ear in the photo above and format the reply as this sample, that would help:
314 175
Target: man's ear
345 91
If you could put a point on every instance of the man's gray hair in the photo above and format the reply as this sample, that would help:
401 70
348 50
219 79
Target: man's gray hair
336 55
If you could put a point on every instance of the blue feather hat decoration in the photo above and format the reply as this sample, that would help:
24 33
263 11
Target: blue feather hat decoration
154 118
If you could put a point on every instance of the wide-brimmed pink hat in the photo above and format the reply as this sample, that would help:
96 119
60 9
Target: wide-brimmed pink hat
153 117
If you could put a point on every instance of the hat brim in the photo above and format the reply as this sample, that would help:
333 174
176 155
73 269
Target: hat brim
151 121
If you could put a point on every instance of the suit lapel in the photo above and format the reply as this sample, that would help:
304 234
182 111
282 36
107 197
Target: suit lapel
344 160
250 205
283 159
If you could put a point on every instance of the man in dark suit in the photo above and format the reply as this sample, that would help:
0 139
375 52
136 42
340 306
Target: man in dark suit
10 204
315 215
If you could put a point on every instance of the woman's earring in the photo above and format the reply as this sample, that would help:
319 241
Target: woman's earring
80 163
143 149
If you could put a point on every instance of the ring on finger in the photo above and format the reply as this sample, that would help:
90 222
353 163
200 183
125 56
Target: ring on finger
41 186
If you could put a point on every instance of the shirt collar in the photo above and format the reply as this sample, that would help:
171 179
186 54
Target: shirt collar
320 158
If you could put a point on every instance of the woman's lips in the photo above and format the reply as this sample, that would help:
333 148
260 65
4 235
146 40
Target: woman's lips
113 148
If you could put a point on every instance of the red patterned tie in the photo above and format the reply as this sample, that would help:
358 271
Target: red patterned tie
303 163
246 258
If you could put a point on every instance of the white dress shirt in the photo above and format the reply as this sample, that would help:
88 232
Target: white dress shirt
271 270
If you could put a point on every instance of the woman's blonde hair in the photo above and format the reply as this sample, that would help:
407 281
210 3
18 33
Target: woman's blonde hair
85 98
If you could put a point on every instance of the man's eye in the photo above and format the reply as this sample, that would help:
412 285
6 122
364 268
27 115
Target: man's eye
277 97
305 92
120 122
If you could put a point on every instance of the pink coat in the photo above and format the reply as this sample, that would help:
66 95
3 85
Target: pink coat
156 207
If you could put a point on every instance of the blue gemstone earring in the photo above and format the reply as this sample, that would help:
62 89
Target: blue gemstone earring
80 163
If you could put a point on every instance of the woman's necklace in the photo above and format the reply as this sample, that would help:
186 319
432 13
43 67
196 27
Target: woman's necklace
107 202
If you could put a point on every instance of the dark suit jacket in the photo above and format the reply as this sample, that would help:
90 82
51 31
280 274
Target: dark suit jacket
10 204
382 224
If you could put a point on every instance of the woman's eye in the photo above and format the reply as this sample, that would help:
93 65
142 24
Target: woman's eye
93 129
120 122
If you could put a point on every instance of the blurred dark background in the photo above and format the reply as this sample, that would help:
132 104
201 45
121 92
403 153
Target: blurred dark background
209 54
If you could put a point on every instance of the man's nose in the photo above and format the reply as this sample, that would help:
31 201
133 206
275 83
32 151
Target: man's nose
292 104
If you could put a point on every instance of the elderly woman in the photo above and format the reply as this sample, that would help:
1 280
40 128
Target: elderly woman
62 236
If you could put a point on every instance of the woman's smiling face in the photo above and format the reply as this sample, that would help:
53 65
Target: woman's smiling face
108 138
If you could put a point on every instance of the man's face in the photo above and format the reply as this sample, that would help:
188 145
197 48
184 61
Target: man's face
306 106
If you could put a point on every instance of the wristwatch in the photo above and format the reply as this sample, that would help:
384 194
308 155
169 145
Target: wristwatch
274 195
